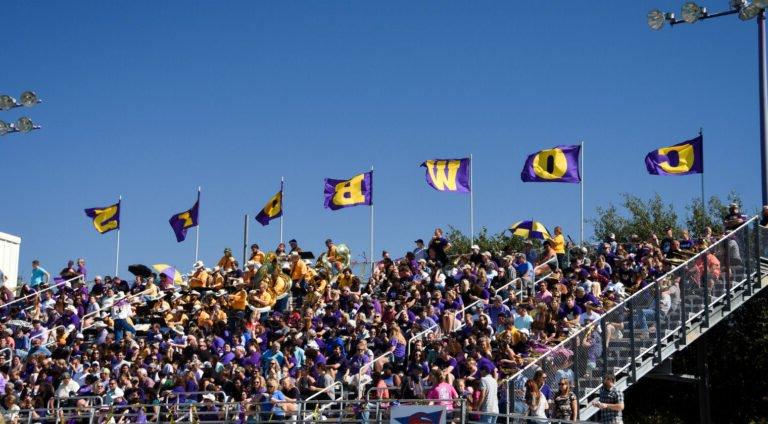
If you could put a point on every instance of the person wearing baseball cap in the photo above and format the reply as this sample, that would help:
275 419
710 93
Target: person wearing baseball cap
420 252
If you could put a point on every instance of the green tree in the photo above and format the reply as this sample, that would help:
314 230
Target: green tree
698 219
645 217
498 242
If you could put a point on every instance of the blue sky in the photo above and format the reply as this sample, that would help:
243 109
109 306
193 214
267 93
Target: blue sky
149 99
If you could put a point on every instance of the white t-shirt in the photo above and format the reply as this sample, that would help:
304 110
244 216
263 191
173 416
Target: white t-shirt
491 402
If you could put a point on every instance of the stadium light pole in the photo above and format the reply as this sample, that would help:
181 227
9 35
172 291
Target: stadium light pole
691 13
23 124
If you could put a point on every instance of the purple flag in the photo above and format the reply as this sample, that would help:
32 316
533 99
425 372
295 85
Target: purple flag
180 222
355 191
448 174
105 219
273 209
681 159
557 165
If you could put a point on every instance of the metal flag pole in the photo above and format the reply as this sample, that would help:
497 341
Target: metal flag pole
471 204
282 203
763 95
117 256
245 240
373 262
703 199
581 185
197 231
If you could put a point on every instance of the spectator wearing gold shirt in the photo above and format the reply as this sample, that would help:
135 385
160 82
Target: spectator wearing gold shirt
227 262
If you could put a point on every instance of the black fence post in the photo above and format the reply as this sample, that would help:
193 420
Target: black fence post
705 287
577 368
728 284
683 313
748 257
758 257
657 312
633 361
604 330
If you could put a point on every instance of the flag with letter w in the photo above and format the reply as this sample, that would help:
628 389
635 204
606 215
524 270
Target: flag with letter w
448 174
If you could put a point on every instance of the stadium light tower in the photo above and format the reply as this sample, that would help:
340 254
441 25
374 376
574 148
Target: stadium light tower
692 13
23 124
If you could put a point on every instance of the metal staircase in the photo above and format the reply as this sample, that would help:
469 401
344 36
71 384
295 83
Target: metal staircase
641 333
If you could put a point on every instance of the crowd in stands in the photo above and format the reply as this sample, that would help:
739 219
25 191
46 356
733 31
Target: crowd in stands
435 324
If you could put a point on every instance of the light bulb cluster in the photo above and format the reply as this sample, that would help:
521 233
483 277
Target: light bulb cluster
23 124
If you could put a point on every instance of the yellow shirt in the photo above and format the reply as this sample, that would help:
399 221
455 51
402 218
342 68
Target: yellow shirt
258 257
343 282
152 290
266 298
332 256
227 262
199 279
218 282
237 300
558 243
320 285
220 316
299 271
204 319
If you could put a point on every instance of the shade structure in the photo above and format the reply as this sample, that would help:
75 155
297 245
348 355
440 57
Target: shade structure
140 270
169 272
530 230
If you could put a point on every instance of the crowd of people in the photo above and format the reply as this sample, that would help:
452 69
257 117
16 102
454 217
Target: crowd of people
436 324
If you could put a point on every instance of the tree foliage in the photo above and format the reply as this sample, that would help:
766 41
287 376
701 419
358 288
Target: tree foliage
498 242
643 217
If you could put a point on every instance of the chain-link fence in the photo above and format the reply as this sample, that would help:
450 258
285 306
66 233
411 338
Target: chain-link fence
653 316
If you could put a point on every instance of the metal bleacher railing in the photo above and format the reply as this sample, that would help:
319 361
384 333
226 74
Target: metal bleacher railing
653 323
4 309
300 412
628 340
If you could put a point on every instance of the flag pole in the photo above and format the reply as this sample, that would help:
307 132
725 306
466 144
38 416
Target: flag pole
197 231
245 240
703 201
581 185
471 204
373 262
282 202
117 255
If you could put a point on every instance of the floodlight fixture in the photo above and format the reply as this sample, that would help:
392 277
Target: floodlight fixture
749 12
738 4
29 98
691 12
762 4
25 124
7 102
656 19
5 128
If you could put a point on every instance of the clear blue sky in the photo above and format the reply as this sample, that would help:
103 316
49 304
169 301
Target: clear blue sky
150 99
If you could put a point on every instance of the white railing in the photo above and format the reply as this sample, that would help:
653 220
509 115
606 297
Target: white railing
497 290
107 309
302 411
417 337
464 311
37 293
